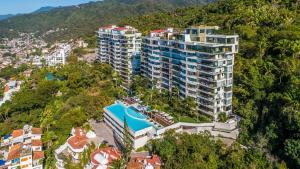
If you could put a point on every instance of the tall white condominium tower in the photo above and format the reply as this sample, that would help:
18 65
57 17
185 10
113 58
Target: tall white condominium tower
121 48
198 62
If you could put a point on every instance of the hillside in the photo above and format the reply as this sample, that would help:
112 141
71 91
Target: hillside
2 17
44 9
267 70
85 18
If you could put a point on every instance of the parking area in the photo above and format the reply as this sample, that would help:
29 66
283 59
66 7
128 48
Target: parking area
103 131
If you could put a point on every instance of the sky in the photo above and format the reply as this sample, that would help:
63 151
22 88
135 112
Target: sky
27 6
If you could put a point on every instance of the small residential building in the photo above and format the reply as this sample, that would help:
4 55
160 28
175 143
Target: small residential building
23 149
26 135
145 162
121 48
9 89
74 146
101 158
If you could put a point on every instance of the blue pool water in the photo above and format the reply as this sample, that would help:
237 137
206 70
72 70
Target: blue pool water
135 120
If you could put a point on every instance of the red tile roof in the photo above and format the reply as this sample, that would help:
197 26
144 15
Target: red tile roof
37 131
6 88
137 162
113 154
158 31
14 152
79 140
36 143
79 132
17 133
38 155
120 28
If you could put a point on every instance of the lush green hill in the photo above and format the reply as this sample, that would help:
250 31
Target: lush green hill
83 19
267 70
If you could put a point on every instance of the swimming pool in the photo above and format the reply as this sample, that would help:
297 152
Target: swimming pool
135 120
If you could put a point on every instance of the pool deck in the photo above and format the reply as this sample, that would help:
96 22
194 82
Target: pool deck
136 121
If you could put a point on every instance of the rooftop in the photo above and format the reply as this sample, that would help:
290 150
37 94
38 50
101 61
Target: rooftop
144 162
104 156
14 152
36 143
78 140
158 31
20 132
17 133
37 131
120 28
38 155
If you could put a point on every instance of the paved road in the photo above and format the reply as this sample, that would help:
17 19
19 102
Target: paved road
103 131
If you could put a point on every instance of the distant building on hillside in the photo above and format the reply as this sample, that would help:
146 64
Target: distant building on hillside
56 58
60 55
82 44
121 48
198 62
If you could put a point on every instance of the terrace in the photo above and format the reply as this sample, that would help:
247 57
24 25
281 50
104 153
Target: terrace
157 118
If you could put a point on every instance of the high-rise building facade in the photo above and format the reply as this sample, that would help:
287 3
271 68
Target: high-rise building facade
198 62
121 48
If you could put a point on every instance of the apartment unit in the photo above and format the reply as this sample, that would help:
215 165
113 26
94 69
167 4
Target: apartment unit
121 48
22 149
197 61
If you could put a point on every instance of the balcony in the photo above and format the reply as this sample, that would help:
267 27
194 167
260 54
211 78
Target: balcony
207 77
209 92
208 98
205 104
207 84
192 82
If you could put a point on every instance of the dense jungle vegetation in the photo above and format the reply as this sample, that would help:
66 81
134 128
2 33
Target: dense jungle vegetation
78 94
